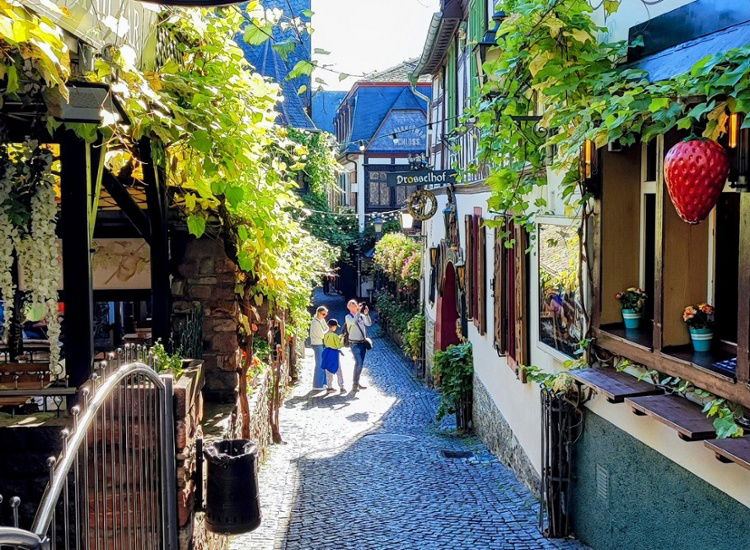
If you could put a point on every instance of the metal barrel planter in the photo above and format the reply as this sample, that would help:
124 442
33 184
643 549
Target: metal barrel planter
232 501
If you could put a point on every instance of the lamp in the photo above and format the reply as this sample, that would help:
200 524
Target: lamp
589 167
407 221
461 275
378 224
362 146
488 41
738 143
433 255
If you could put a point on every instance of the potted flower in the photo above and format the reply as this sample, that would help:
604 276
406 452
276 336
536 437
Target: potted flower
700 321
632 301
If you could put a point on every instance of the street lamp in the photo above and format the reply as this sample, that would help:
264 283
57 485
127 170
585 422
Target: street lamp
378 224
407 221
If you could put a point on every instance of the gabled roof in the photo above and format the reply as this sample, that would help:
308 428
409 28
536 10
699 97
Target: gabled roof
397 73
269 63
325 103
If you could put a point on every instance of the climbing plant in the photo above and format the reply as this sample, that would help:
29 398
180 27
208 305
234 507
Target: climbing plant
211 119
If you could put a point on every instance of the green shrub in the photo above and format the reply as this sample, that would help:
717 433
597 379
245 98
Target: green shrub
453 370
414 336
395 314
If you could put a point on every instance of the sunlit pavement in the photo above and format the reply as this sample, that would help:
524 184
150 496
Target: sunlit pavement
366 471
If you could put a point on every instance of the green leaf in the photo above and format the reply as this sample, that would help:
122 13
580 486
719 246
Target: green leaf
659 103
196 225
256 34
321 51
302 89
302 68
343 76
201 141
285 48
307 13
234 195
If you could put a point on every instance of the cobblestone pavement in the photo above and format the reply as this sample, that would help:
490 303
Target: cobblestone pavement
365 471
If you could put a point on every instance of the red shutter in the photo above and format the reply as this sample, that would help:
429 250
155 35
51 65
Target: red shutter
498 294
469 263
482 276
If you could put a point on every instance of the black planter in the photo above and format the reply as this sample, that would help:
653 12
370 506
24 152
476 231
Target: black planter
232 503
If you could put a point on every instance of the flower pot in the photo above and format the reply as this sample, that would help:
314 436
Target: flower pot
702 338
631 317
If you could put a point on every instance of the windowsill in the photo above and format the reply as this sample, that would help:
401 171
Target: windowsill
642 336
706 361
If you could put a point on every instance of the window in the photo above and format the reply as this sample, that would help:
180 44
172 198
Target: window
509 292
560 311
640 239
378 191
476 272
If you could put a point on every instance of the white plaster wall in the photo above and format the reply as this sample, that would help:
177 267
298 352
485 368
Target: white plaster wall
519 403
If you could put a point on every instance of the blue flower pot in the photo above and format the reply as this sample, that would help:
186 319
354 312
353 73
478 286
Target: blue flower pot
702 338
631 317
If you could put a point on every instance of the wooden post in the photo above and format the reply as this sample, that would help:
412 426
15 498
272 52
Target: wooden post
156 199
76 245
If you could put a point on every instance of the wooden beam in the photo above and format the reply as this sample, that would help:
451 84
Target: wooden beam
126 203
743 289
156 199
76 251
713 382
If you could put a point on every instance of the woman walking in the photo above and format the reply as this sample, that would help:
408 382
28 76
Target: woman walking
357 322
318 328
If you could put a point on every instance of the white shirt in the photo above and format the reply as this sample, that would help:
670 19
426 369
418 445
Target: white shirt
318 328
353 324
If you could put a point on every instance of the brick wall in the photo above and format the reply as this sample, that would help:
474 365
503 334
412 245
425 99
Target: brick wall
207 279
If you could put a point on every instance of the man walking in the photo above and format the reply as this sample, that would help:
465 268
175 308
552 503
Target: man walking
357 322
318 327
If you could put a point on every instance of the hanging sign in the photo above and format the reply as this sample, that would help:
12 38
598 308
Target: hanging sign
421 177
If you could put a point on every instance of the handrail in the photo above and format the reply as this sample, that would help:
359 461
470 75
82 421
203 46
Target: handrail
54 488
13 536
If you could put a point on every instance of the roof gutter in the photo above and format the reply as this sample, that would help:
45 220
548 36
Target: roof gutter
432 32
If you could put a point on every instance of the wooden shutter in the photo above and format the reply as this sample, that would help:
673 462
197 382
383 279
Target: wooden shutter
481 315
498 294
518 319
469 262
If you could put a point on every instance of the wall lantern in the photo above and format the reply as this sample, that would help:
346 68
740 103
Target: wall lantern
362 146
407 221
433 256
589 167
489 40
378 224
738 143
461 275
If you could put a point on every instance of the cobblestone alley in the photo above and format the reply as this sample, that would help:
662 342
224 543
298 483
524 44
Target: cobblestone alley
365 471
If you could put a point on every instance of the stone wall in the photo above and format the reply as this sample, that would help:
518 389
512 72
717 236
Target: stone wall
496 433
207 280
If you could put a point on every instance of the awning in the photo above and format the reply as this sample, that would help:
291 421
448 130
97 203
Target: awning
680 59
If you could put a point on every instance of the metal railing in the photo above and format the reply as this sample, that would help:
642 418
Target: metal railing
114 484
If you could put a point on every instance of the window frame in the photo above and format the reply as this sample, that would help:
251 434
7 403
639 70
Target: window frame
657 357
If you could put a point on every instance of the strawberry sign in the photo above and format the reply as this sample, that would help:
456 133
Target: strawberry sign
695 172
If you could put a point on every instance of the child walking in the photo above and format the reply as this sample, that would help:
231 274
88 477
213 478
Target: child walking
331 362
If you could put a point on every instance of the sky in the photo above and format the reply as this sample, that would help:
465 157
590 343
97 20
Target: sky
363 36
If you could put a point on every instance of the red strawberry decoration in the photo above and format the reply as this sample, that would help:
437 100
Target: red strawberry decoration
695 172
